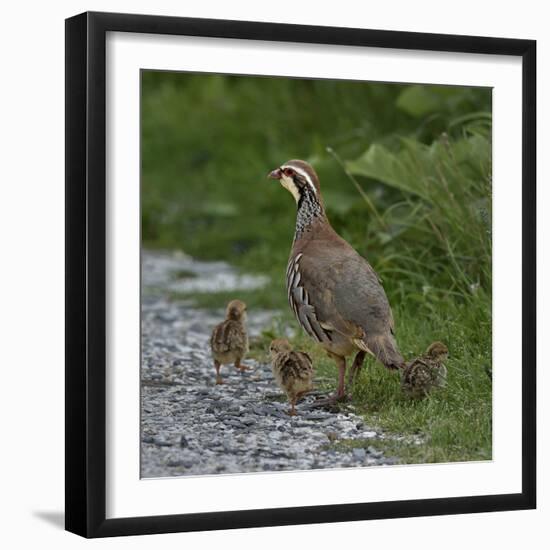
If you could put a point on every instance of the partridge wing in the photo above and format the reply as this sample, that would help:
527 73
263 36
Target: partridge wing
355 302
301 303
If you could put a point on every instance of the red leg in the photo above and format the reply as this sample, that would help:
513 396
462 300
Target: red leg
341 392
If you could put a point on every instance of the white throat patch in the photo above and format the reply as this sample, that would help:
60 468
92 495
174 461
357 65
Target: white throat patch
289 184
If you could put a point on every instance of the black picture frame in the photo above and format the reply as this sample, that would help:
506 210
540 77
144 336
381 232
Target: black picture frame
86 274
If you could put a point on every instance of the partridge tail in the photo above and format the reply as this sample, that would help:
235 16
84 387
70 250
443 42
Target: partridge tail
384 348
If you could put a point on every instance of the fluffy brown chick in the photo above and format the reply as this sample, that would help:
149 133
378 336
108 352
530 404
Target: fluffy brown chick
293 371
425 373
229 340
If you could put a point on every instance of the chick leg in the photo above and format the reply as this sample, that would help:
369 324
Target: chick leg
240 367
301 394
356 367
292 411
218 376
295 400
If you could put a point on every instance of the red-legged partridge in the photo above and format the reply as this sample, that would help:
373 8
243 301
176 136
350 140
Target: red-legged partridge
426 372
229 340
335 294
293 371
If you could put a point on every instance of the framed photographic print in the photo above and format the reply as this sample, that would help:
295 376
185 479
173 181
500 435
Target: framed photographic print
300 274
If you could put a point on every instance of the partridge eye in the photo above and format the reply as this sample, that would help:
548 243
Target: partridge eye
288 172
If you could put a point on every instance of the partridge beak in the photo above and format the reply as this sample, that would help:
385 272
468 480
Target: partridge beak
275 174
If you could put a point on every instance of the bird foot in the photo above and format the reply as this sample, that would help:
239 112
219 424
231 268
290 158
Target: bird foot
219 382
329 403
243 368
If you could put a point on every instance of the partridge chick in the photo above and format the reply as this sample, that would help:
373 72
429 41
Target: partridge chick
426 372
229 341
293 371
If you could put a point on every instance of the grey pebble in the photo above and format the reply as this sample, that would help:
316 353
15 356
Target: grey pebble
315 416
359 454
234 423
162 443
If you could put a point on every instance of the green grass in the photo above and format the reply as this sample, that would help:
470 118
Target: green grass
454 424
406 177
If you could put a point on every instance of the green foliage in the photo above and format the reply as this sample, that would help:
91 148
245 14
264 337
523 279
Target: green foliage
440 228
440 101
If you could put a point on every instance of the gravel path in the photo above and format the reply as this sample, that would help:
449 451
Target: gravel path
190 426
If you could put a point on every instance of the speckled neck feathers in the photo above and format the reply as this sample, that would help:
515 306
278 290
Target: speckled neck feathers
309 210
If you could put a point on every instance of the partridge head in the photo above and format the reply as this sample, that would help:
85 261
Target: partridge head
236 311
437 351
279 345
